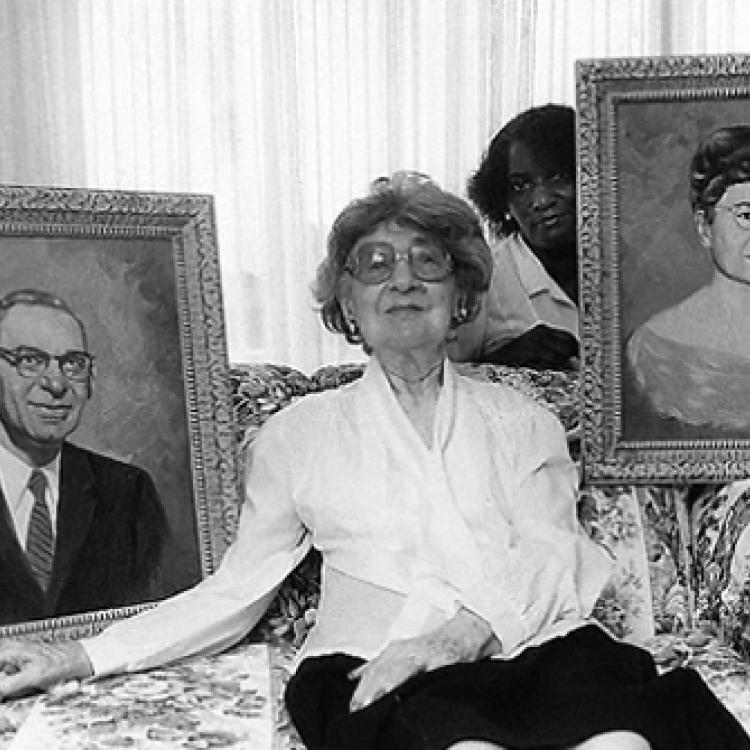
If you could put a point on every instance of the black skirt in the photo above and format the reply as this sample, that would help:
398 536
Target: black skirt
550 696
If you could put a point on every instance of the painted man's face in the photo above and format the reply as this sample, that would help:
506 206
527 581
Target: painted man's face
43 410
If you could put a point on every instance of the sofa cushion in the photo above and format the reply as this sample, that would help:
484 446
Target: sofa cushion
639 526
557 390
258 391
334 376
721 530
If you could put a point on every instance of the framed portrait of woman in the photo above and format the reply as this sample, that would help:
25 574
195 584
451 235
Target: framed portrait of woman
664 257
113 357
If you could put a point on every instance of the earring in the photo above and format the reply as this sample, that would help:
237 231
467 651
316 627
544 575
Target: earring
351 324
461 314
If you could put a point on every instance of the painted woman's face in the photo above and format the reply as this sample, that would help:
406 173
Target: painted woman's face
728 237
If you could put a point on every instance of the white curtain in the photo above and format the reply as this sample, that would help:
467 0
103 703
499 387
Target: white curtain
285 109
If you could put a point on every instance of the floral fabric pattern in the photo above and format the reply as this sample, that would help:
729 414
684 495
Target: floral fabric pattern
556 390
638 525
721 520
258 391
334 376
610 517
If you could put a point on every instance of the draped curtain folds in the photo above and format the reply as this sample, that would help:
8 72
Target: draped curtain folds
285 109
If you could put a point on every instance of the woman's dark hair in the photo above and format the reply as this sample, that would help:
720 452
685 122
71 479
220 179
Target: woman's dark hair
548 132
721 159
409 199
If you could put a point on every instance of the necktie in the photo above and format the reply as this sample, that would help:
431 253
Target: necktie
40 542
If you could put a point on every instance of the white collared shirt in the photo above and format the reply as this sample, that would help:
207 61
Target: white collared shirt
14 479
485 519
522 295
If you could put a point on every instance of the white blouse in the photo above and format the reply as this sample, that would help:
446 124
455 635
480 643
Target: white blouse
486 519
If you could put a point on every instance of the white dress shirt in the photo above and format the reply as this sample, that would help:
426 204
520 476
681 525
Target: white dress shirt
522 295
486 519
14 479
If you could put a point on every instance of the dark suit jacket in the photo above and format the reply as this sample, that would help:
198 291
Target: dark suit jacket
111 528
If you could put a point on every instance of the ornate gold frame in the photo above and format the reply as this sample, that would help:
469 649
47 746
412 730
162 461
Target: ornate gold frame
183 227
622 102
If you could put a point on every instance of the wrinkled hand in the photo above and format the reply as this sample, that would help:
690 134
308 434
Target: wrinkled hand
26 666
465 637
541 347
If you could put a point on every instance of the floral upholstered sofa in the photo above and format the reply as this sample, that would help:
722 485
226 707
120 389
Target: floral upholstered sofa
681 586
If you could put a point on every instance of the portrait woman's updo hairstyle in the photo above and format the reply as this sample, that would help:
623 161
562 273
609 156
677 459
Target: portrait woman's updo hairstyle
410 200
549 133
721 159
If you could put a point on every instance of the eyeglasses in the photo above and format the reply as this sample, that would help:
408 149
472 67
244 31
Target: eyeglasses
741 213
375 263
31 362
523 184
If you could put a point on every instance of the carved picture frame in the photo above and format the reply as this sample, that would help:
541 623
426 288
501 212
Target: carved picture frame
640 121
141 272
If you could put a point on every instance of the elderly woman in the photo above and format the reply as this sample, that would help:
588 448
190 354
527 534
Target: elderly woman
691 363
456 583
525 190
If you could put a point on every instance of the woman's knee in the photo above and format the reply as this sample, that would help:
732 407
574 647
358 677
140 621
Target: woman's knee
614 741
475 745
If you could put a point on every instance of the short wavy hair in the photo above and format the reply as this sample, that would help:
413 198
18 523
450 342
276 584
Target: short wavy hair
721 159
410 199
549 132
38 298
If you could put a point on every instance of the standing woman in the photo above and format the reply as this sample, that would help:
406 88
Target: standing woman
457 585
525 190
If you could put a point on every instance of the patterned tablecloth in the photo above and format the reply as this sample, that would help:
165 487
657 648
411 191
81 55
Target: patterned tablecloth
223 701
234 700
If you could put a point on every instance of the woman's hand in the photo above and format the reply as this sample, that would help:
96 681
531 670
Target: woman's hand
465 637
541 348
26 666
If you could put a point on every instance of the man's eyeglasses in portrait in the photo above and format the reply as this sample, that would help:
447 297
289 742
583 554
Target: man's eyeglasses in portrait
31 362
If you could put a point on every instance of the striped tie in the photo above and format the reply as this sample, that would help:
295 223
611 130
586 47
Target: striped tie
40 542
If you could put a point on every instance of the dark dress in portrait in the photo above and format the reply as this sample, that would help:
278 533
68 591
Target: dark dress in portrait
111 529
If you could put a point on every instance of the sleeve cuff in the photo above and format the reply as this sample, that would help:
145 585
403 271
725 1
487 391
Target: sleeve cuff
103 658
507 626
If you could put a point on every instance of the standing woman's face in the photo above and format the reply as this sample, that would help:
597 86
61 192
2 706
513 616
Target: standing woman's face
542 200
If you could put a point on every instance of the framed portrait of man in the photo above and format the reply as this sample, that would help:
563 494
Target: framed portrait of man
664 251
117 464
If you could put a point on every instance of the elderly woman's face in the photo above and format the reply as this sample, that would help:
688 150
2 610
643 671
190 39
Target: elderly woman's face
728 237
412 307
541 200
